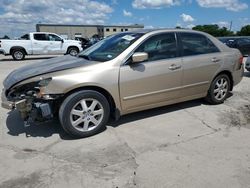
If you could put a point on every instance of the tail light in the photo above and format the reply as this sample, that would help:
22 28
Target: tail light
241 60
239 65
0 43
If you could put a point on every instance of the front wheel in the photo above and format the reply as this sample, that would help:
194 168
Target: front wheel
219 89
73 51
84 113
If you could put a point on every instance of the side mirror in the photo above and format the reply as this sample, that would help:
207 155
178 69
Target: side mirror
62 41
139 57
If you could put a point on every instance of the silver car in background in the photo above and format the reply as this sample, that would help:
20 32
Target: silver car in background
124 73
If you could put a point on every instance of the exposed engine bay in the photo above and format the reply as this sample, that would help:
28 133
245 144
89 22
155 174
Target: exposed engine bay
30 100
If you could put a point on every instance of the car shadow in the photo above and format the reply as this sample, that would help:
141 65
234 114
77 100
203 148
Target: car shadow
156 112
27 59
16 127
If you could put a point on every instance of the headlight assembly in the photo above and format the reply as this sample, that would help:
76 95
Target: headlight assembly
42 85
44 82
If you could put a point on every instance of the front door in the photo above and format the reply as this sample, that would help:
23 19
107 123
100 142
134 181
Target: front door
148 84
56 44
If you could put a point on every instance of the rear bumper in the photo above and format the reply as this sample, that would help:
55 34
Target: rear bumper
5 103
238 75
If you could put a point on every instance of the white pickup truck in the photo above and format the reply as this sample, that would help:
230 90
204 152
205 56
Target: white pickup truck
39 43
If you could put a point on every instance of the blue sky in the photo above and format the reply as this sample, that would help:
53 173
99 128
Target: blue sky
20 16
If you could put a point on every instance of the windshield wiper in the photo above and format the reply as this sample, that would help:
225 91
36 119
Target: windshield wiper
85 57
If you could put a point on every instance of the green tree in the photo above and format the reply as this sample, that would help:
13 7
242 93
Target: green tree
214 30
5 37
245 31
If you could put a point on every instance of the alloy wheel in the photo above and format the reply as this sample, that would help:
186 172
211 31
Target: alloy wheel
18 55
221 89
86 115
73 52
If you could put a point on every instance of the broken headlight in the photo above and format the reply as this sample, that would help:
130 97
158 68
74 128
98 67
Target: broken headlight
42 85
44 82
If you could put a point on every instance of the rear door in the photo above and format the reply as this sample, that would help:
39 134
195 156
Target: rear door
201 59
40 44
157 80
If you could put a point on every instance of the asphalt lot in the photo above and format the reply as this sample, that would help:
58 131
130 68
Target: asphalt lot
191 144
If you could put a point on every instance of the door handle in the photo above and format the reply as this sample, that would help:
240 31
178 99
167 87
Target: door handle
215 59
174 67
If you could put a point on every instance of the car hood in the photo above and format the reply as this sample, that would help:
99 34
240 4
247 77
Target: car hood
44 67
72 41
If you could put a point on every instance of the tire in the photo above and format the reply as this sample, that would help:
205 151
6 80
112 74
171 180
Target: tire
18 54
73 51
219 89
84 113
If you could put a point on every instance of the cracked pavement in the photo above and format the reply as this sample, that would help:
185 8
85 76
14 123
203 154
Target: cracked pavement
190 144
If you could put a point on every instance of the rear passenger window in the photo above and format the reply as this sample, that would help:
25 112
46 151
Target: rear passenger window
159 47
195 44
40 37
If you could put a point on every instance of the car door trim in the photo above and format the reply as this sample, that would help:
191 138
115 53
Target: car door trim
164 91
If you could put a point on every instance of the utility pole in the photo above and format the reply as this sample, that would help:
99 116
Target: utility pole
231 23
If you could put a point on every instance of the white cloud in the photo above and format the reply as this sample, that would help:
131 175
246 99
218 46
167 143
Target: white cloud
20 16
127 13
154 4
190 26
186 18
178 25
222 24
232 5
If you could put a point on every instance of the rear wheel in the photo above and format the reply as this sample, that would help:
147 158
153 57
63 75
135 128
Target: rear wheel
18 54
219 89
73 51
84 113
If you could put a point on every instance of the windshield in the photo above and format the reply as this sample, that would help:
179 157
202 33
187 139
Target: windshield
110 48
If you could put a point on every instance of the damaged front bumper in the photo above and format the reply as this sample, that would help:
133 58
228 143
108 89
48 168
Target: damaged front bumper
30 111
5 103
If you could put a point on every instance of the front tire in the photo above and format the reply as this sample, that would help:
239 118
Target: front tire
18 54
84 113
219 89
73 51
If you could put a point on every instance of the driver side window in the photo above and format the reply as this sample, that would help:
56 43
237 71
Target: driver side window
162 46
54 38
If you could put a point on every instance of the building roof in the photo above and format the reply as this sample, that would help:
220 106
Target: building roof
128 26
71 25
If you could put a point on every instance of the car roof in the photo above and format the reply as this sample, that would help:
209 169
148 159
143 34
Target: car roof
42 33
144 31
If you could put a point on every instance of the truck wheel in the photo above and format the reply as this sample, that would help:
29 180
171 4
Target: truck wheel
73 51
219 89
18 54
84 113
